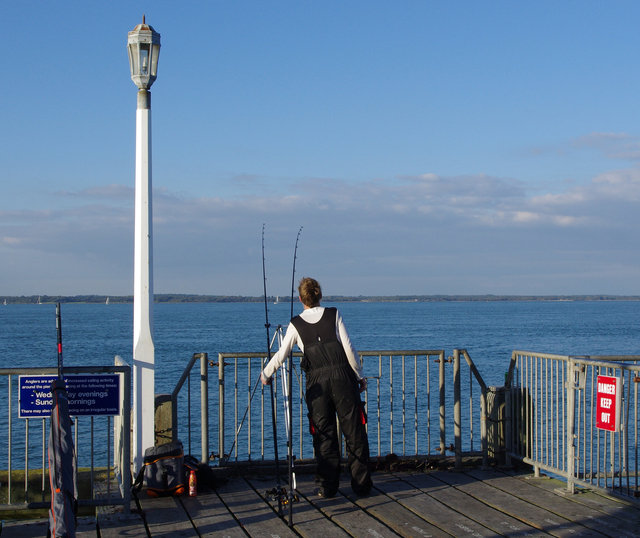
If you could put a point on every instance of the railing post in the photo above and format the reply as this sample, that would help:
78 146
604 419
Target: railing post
10 427
204 406
457 410
484 414
571 409
442 403
126 441
122 434
508 414
221 407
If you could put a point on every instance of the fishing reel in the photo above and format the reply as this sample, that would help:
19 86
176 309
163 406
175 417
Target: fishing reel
282 495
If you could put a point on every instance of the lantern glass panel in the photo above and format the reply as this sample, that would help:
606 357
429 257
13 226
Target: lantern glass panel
134 58
154 59
144 58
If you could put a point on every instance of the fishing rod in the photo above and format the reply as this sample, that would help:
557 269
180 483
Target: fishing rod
267 325
287 404
269 345
279 492
290 395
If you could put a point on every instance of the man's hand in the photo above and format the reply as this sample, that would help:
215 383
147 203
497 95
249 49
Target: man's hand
362 384
265 381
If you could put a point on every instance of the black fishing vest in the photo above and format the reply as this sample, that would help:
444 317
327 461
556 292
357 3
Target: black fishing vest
323 351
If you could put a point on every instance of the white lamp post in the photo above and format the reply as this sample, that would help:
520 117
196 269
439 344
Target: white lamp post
144 47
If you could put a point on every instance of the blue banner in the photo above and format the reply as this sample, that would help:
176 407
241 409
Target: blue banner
89 394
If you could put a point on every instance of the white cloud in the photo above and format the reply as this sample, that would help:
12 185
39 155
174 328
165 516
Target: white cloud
597 139
421 234
611 145
617 146
101 192
598 203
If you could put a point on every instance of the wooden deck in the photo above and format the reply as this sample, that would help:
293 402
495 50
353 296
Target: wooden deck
471 502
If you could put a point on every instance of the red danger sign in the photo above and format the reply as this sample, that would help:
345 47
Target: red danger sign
608 398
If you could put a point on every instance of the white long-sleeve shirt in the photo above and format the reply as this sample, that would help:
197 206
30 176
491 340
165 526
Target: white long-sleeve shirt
292 337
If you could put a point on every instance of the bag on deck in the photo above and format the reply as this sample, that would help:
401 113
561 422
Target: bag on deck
163 470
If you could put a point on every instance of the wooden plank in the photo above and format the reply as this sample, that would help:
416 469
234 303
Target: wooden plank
112 522
595 499
115 524
476 507
527 511
307 521
211 517
256 517
343 512
25 528
166 517
85 528
550 500
394 515
430 509
566 505
473 508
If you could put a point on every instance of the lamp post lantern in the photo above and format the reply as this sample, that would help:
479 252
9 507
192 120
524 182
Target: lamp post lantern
143 45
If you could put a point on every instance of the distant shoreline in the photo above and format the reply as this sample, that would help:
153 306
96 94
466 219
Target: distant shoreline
193 298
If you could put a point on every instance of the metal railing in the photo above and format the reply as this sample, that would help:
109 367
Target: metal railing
474 421
551 413
419 403
409 399
203 360
100 455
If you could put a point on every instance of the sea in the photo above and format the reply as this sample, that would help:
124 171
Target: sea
93 334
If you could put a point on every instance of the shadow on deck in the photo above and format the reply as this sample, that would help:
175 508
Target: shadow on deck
405 502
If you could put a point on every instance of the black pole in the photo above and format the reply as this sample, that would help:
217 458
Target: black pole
59 332
267 325
290 440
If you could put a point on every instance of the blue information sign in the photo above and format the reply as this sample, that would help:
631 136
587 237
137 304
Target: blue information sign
89 394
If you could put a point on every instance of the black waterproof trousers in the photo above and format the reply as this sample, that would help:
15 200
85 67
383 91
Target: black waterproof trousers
336 393
332 390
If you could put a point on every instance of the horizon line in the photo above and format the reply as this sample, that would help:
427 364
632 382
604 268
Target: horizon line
195 297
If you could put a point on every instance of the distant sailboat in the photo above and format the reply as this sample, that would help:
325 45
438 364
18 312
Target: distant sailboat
277 299
39 301
107 301
5 302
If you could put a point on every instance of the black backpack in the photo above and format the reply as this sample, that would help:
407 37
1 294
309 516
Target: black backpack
162 473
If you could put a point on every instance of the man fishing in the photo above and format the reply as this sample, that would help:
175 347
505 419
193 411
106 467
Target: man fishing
334 380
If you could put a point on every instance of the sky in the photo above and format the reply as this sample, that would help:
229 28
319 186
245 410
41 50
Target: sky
425 147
